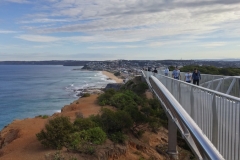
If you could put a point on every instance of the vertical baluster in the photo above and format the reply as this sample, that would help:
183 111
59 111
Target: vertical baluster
220 126
192 104
237 134
230 128
206 113
214 129
225 129
233 130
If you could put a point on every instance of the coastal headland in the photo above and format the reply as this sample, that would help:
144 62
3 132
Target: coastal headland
18 139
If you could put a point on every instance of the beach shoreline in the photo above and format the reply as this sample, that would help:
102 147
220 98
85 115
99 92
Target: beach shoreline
112 76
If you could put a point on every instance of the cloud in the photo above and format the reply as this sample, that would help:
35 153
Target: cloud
18 1
214 44
115 47
6 32
154 23
38 38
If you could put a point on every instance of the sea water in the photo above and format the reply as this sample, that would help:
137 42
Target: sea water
27 91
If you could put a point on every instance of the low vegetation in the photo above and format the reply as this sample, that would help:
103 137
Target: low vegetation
117 73
211 70
133 114
86 95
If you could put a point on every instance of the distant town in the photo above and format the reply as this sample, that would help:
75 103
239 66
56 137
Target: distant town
127 69
130 63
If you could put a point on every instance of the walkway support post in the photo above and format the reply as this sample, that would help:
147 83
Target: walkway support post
172 138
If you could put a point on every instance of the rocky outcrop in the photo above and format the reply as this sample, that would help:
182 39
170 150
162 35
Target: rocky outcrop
8 137
115 86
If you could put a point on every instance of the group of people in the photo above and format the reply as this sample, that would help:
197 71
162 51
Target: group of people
195 76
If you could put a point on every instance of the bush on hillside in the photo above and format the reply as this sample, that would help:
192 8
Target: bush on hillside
118 137
136 86
56 133
117 73
115 121
140 88
84 124
120 100
86 95
104 99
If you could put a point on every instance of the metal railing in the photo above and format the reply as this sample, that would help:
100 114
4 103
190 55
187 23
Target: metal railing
225 84
217 114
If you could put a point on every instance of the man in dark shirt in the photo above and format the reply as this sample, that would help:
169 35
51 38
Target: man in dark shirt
196 76
155 71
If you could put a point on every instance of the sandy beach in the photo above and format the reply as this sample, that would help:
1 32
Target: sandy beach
112 76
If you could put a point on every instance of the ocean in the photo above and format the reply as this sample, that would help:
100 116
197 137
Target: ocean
27 91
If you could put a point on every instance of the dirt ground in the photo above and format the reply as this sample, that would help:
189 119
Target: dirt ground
18 139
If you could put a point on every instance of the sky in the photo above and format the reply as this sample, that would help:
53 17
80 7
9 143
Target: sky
119 29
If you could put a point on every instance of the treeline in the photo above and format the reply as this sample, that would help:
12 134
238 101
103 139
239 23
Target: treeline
211 70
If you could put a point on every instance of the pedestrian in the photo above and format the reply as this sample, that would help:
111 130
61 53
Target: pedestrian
188 77
196 76
155 71
166 71
149 69
176 73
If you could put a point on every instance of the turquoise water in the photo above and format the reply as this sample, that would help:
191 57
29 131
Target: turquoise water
30 90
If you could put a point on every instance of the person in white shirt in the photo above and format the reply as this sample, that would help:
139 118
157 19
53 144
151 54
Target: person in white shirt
188 77
176 73
166 71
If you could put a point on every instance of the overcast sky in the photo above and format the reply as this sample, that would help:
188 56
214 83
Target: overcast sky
119 29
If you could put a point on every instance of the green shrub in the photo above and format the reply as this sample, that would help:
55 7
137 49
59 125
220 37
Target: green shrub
74 142
154 103
104 99
86 95
117 73
78 139
94 135
154 124
55 156
84 124
56 132
118 137
115 121
120 100
136 115
45 116
140 88
79 115
147 111
58 156
97 120
88 149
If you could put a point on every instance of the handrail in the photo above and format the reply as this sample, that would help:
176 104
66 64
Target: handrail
195 137
206 148
208 90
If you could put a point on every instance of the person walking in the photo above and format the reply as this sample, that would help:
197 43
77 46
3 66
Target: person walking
188 77
166 71
176 73
155 71
196 76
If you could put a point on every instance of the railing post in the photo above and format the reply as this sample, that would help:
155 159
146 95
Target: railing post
172 138
192 104
179 93
239 87
214 122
